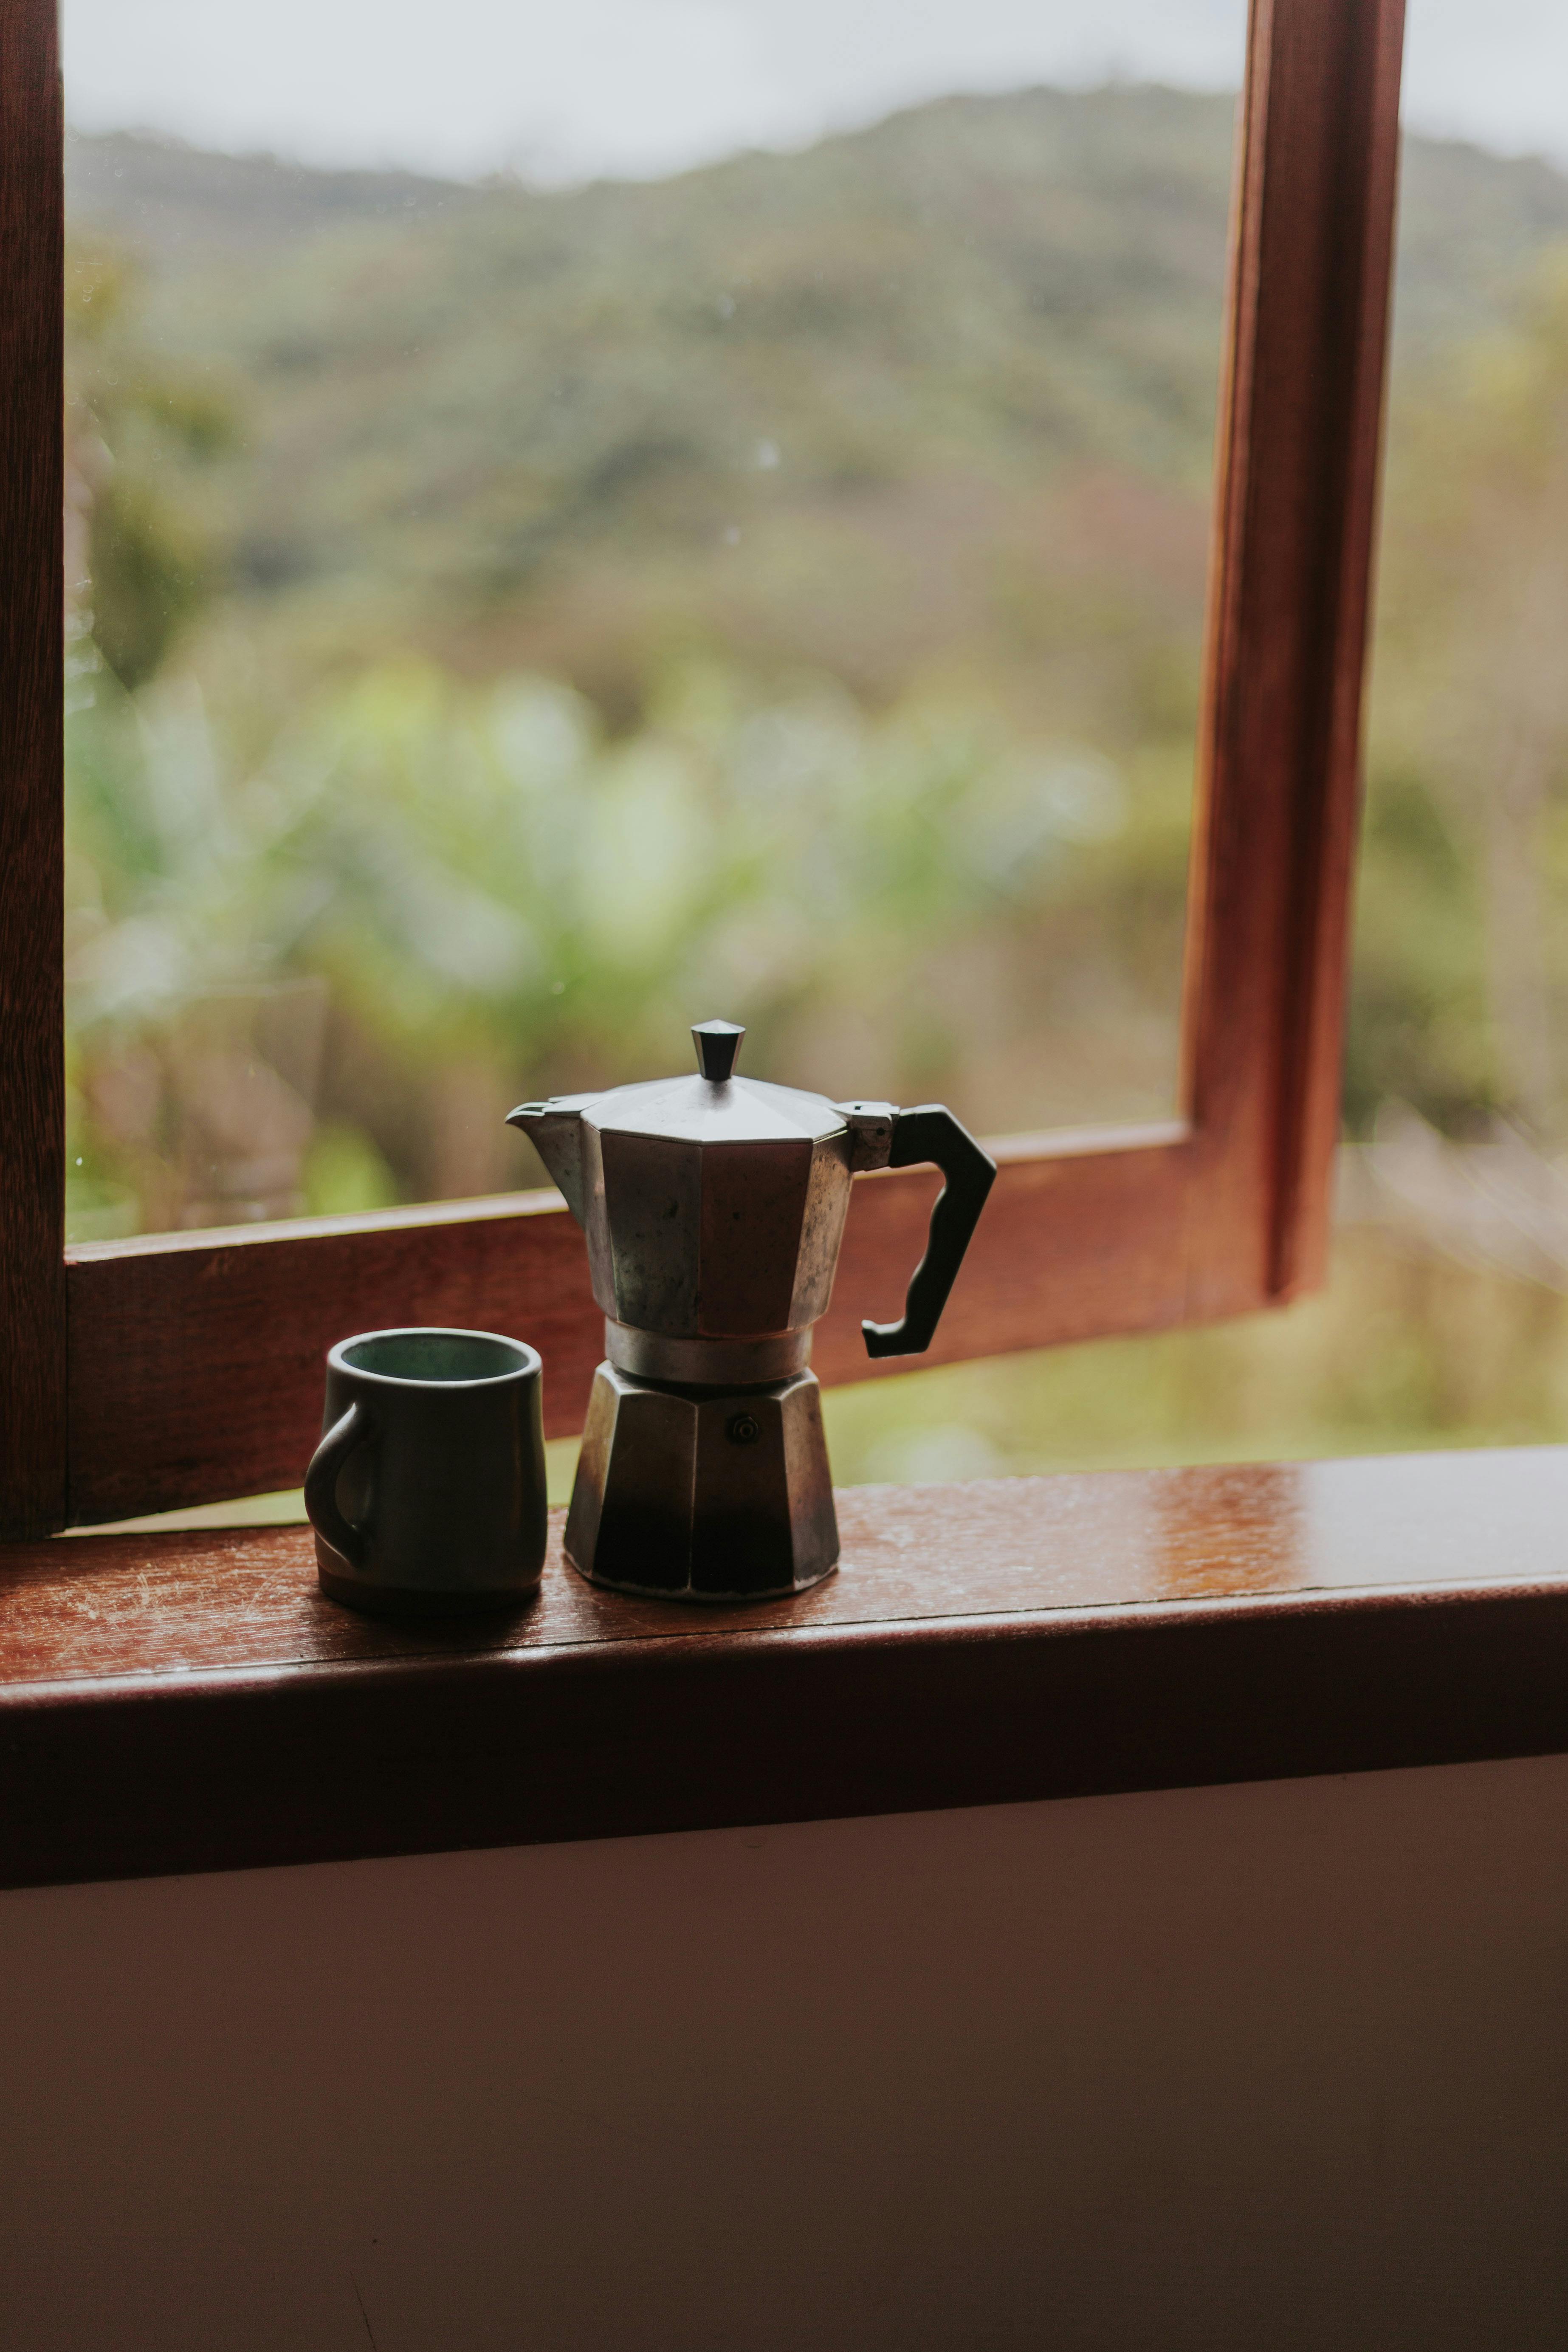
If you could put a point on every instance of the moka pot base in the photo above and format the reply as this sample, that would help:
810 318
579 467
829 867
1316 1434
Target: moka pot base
702 1492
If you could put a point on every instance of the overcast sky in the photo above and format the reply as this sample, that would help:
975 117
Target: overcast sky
564 89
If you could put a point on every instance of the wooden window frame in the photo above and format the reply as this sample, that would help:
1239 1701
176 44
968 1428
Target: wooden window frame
180 1369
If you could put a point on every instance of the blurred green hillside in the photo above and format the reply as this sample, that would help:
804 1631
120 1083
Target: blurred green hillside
937 394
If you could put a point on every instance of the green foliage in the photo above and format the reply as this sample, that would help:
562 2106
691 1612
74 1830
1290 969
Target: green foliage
146 578
345 1175
137 432
1461 976
479 872
1417 1031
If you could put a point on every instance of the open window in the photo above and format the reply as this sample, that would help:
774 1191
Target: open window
172 1370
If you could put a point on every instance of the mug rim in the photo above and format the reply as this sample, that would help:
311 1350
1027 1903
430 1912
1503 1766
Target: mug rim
532 1361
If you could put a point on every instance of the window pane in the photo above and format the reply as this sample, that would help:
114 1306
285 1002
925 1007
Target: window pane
1446 1318
584 520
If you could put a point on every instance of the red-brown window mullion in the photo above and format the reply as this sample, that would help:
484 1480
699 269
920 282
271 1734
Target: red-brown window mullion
1279 793
1359 295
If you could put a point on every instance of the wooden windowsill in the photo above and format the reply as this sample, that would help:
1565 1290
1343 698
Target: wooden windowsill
180 1702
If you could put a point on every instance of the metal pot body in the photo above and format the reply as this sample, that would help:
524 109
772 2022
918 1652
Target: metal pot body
713 1241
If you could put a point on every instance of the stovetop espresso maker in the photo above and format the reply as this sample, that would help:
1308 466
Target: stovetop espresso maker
713 1208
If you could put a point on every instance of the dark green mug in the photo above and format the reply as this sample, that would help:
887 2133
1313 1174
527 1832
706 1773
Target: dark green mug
427 1491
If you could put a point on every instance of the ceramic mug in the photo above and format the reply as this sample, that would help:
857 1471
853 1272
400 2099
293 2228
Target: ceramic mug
427 1491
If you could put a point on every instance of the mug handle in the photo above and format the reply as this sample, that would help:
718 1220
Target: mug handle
321 1484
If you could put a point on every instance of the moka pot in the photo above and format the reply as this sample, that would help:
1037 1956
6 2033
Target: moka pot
713 1208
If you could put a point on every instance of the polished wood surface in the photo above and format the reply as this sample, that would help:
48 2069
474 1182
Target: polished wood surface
247 1597
32 1066
194 1361
190 1701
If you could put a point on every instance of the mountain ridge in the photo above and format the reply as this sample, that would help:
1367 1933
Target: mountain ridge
846 407
174 193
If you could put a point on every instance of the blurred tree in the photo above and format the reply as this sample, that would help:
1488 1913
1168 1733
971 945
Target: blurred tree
139 554
1463 963
500 899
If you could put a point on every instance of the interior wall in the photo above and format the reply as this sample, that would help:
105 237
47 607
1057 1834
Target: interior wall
1271 2066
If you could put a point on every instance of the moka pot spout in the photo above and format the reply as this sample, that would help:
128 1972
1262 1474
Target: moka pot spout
555 1130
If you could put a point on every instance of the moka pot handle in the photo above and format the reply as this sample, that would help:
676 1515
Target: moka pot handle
931 1133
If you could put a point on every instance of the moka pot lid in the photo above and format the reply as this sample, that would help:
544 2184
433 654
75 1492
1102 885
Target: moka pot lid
715 1106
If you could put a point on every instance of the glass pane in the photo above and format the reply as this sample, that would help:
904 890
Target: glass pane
1446 1317
584 519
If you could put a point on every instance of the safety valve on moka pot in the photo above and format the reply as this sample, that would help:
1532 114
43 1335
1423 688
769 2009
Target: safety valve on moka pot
713 1208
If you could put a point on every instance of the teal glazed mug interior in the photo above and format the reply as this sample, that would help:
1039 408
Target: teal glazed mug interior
428 1490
